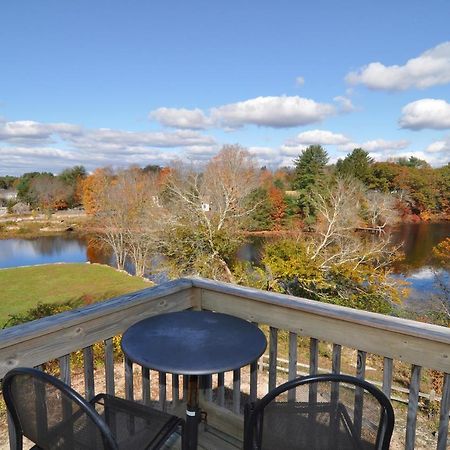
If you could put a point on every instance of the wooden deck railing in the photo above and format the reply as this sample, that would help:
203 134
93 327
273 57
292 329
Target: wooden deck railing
416 344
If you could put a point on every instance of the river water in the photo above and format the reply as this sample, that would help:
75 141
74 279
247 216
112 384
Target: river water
418 267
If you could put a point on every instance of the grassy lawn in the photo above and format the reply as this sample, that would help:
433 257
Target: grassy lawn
22 288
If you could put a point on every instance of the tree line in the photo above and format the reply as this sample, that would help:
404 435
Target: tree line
421 191
46 191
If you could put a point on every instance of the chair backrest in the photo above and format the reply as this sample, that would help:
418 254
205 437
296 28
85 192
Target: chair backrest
327 411
52 414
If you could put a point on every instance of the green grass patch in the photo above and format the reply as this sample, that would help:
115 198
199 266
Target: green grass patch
23 288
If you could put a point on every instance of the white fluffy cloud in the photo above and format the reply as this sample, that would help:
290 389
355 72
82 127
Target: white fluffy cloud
17 159
106 139
276 112
294 146
22 149
431 68
382 144
23 131
426 113
194 119
345 104
200 152
30 132
318 137
37 152
266 156
435 160
291 150
442 146
375 145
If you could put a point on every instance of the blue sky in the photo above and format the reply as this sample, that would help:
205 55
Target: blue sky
117 83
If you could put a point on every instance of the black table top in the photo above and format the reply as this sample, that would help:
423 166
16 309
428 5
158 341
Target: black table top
193 342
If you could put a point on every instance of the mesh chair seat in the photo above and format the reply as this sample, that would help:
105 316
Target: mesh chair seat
320 412
54 416
297 425
132 424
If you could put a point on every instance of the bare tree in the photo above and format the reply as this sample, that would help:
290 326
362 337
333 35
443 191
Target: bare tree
211 209
127 213
147 218
111 216
338 213
340 210
381 210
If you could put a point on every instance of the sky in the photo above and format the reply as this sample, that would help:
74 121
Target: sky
114 83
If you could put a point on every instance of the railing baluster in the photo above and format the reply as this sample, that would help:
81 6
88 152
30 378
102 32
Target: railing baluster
162 390
253 381
237 391
443 417
359 392
175 389
336 359
413 402
64 367
273 355
109 367
146 396
313 356
361 365
128 365
387 376
221 389
88 361
254 377
206 384
335 368
292 371
313 366
185 387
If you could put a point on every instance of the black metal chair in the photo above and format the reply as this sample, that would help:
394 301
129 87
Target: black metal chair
54 416
327 411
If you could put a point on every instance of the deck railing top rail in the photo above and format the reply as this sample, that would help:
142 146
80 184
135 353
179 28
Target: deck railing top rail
409 341
375 320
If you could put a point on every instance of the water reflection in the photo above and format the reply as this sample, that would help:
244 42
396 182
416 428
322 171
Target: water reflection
418 266
49 250
418 240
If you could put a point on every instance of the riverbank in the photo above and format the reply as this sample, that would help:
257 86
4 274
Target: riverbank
35 225
23 288
30 226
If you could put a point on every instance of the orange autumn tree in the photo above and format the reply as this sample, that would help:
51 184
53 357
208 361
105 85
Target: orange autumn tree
278 204
275 195
125 213
93 188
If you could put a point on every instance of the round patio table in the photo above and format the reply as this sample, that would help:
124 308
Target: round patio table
193 343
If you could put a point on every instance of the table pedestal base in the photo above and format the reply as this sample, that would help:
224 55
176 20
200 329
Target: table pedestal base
193 414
